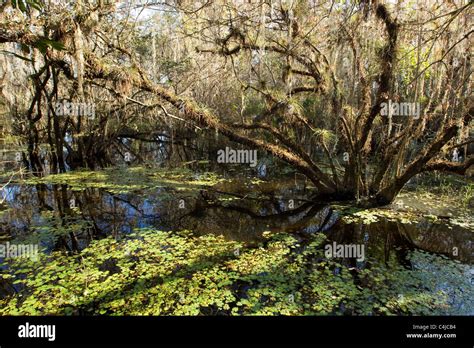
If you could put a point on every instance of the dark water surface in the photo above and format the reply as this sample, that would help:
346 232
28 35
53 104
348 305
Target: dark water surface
240 209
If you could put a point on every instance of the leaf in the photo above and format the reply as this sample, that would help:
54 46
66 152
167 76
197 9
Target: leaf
19 4
44 44
25 5
36 4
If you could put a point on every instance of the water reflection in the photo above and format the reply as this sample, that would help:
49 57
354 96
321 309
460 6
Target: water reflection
60 218
237 209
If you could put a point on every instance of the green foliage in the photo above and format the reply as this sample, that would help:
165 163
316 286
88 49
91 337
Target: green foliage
176 273
43 44
25 5
53 227
447 187
409 63
368 216
129 180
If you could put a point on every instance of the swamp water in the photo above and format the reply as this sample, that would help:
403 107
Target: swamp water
157 241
